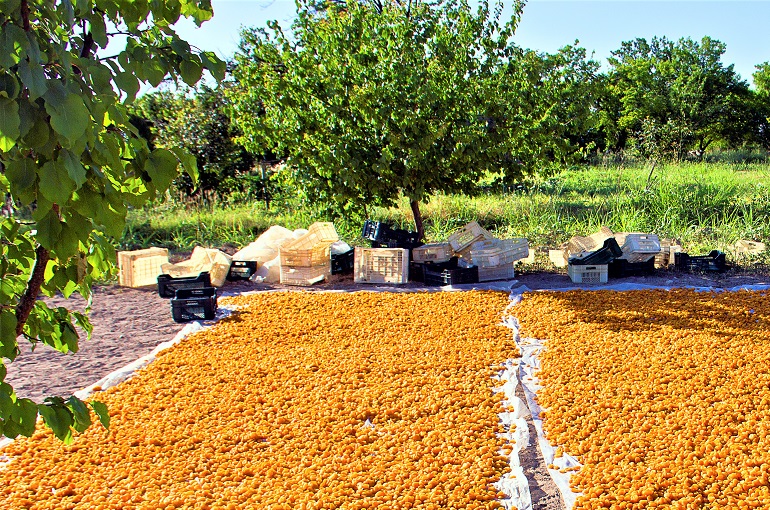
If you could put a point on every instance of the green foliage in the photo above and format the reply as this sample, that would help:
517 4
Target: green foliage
371 102
199 122
69 153
675 97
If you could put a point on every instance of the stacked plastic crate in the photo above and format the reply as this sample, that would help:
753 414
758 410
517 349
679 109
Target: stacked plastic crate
307 259
470 255
387 261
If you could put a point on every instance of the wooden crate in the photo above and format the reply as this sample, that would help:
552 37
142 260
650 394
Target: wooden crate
466 236
588 274
438 252
381 265
305 276
140 268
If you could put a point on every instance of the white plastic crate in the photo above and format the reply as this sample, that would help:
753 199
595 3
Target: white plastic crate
498 252
324 231
141 267
587 274
381 265
466 236
641 243
305 275
489 274
438 252
210 260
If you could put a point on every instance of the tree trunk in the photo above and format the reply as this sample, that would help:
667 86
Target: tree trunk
29 297
417 219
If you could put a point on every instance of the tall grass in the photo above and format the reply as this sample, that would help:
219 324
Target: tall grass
705 205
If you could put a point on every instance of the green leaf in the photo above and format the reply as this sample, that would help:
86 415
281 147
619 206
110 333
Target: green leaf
67 243
75 168
55 182
191 71
80 412
24 414
48 230
9 123
9 87
189 162
8 345
128 83
38 134
33 78
161 166
21 174
216 66
154 71
69 116
3 371
59 419
102 412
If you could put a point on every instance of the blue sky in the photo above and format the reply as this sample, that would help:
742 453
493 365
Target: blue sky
546 25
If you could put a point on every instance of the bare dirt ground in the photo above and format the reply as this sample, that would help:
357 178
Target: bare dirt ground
130 323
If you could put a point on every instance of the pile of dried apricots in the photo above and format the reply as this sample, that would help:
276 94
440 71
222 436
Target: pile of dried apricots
664 396
296 401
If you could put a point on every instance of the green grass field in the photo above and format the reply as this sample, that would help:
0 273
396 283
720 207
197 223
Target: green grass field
705 206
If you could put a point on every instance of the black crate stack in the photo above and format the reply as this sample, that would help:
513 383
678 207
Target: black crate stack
192 298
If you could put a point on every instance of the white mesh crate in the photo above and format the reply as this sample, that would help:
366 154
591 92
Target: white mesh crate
141 267
498 252
305 275
438 252
381 265
587 274
324 231
489 274
466 236
641 243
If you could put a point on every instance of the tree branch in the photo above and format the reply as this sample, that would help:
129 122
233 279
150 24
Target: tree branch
27 301
25 15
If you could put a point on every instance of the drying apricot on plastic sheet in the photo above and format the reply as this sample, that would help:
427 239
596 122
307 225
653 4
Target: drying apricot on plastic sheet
296 401
664 396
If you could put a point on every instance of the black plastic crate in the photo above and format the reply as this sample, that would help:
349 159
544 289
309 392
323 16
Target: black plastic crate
376 231
417 269
715 261
621 268
342 263
194 304
241 270
167 285
604 255
456 276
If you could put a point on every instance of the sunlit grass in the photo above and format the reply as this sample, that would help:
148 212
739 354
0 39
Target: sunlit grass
705 206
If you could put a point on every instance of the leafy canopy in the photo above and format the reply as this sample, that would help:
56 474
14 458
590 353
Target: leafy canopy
370 102
70 156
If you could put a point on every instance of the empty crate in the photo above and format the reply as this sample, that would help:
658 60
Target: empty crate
381 265
498 252
141 267
438 252
489 274
588 273
194 304
305 275
641 243
242 269
342 263
715 261
466 236
434 275
168 285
